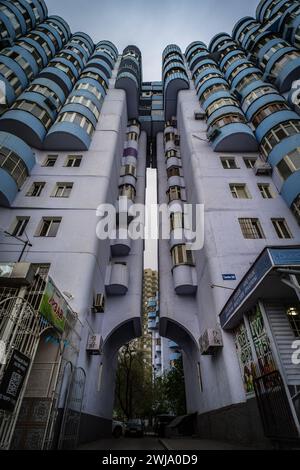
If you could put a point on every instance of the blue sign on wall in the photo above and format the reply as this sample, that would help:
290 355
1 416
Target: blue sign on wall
229 277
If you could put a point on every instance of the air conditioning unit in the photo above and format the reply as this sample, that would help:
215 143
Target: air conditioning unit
200 116
94 345
211 341
177 141
213 134
262 168
16 274
99 303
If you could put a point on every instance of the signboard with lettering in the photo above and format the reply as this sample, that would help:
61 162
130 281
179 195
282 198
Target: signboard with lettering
54 307
13 379
229 277
269 258
250 281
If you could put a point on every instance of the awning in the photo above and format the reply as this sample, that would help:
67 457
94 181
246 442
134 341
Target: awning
263 280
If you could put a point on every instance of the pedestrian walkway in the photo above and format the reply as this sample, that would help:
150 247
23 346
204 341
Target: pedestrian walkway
199 444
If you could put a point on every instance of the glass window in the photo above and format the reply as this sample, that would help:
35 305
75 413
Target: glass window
289 164
265 190
126 190
281 228
73 161
180 255
49 227
62 190
239 191
36 189
50 160
250 162
228 163
296 208
19 226
173 171
176 220
174 193
251 228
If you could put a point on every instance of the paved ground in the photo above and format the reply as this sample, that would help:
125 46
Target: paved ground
124 443
199 444
153 443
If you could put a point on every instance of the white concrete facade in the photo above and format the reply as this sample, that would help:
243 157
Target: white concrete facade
185 318
78 259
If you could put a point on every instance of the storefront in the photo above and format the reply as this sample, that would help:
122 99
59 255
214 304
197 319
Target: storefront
263 314
40 335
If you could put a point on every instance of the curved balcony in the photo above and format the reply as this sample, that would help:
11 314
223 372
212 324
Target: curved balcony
73 128
172 344
130 151
285 157
177 237
184 280
273 120
228 131
173 162
32 53
16 162
129 79
267 9
219 41
289 24
120 244
176 181
193 48
174 79
244 23
29 118
108 47
61 26
117 279
20 16
127 179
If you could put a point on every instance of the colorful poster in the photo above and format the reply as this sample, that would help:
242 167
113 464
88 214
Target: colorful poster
54 307
12 380
243 348
261 342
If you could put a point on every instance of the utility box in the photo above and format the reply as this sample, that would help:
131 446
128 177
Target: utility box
211 341
16 274
94 345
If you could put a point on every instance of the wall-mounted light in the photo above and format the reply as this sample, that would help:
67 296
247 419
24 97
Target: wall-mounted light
292 312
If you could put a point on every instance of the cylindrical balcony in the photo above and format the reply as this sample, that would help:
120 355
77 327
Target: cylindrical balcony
16 162
117 279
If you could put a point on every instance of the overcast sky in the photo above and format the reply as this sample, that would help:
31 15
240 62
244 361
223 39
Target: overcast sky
152 24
